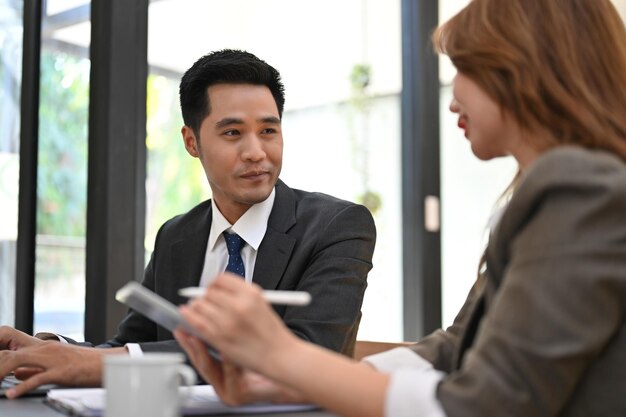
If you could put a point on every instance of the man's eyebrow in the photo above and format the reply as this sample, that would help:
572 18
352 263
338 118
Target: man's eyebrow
270 119
227 121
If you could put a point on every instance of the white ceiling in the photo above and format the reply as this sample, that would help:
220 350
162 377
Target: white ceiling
312 43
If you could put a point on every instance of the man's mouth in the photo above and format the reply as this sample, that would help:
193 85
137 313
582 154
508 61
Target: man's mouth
254 174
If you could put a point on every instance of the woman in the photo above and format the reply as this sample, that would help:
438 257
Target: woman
543 332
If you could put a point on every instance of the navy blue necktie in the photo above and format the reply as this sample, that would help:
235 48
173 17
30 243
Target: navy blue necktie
234 243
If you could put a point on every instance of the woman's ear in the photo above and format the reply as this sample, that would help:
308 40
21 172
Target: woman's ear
191 143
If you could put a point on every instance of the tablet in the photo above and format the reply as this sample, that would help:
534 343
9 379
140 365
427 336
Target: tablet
156 308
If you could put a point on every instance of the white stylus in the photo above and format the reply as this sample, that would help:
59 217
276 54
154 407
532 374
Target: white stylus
286 298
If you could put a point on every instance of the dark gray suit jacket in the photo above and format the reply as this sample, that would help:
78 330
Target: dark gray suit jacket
543 332
314 243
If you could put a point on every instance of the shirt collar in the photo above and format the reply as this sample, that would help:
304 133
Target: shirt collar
251 227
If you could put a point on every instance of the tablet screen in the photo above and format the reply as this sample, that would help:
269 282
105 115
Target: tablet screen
156 308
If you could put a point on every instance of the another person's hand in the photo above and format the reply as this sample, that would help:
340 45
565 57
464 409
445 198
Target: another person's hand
234 318
56 363
234 385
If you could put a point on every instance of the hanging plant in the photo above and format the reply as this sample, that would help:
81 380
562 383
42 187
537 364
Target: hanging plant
360 78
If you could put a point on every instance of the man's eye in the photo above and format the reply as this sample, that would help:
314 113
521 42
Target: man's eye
232 132
268 131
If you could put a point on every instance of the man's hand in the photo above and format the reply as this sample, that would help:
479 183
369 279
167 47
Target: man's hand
57 363
12 339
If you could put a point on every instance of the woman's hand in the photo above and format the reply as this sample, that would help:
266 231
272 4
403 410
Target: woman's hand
234 385
234 318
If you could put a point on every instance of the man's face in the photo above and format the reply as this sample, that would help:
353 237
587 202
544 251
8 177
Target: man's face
240 146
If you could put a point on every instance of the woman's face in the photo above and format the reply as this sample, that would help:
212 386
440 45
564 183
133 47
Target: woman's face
491 131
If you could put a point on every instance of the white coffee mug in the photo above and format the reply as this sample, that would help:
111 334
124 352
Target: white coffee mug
145 386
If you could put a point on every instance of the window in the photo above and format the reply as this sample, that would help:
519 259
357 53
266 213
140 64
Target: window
341 125
62 169
10 84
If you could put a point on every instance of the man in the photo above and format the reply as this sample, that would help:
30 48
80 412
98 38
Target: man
232 104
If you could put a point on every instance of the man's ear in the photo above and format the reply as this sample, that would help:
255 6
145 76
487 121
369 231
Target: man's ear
191 144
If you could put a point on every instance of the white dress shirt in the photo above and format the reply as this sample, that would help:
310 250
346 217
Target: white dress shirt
412 389
251 227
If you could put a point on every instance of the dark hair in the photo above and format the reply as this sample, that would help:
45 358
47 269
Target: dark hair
228 66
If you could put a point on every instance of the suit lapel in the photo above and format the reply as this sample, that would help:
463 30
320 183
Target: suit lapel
189 252
277 246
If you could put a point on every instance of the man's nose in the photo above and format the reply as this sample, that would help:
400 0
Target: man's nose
253 149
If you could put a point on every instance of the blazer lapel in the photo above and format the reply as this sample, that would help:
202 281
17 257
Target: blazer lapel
496 260
277 246
467 338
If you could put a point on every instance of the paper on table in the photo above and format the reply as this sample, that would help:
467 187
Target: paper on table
200 399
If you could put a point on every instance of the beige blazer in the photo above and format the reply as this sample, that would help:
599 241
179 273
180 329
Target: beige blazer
543 332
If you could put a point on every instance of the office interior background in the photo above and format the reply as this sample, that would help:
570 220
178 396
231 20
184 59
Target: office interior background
350 67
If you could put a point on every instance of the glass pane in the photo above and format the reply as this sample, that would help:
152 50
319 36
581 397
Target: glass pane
341 137
62 177
469 191
11 30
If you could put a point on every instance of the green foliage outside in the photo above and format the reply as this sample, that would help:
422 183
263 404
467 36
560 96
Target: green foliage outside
63 117
175 183
358 119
